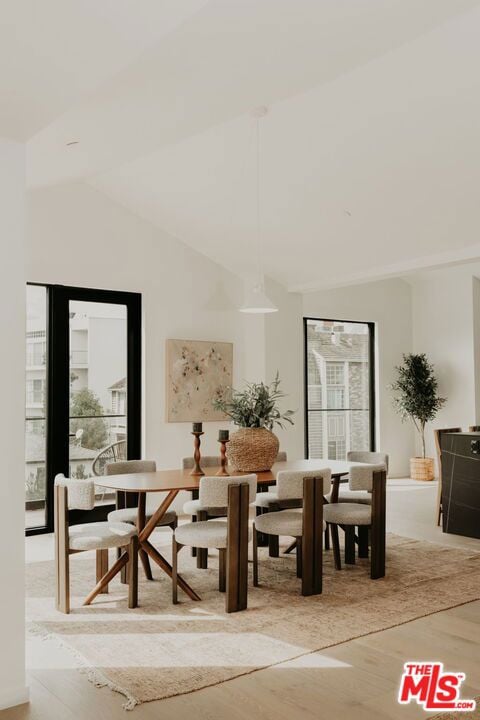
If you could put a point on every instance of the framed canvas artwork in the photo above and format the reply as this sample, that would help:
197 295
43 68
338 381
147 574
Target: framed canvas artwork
198 371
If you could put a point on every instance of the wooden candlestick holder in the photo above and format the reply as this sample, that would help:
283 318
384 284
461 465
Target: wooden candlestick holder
223 458
197 470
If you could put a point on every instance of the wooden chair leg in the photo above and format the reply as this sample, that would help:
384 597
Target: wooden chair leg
378 529
202 553
237 548
349 544
336 546
299 556
363 541
62 556
222 569
102 566
312 539
133 572
326 541
273 549
262 539
255 557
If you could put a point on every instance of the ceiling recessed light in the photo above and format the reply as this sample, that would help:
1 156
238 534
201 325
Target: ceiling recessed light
72 142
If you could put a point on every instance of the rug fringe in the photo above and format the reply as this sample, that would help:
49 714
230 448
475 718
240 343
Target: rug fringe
93 675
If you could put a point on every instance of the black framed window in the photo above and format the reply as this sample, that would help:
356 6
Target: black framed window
83 391
339 387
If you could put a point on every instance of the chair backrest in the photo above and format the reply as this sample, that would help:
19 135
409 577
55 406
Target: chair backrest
281 456
206 461
213 491
290 482
360 477
80 493
123 467
365 456
112 453
472 428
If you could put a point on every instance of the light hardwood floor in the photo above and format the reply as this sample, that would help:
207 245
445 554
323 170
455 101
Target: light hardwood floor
356 680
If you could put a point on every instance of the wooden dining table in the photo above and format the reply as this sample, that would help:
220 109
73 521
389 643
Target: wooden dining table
174 481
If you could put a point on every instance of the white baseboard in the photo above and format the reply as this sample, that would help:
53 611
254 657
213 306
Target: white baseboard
14 696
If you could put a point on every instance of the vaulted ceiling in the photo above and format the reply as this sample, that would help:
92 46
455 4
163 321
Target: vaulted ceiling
370 157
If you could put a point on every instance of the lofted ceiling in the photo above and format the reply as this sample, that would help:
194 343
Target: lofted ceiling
369 153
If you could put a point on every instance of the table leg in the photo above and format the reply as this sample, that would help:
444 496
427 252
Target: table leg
153 552
142 504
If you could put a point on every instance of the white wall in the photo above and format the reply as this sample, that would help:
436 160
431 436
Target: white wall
388 305
12 391
446 321
284 352
77 236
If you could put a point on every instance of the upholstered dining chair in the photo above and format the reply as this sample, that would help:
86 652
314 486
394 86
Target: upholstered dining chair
437 433
370 519
72 494
130 514
362 456
305 524
230 537
193 507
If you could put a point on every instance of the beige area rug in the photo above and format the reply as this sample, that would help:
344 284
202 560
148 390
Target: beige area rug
160 650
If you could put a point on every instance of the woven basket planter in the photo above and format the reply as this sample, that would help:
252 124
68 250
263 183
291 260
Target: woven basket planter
421 468
252 449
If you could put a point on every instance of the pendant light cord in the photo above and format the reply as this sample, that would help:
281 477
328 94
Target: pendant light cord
259 236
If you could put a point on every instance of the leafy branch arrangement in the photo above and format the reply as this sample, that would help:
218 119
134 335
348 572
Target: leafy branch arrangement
256 406
416 388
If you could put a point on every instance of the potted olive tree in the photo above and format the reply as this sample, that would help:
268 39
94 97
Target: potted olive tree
255 410
416 399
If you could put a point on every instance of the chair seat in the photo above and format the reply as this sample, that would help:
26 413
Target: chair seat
192 507
284 522
101 535
353 496
265 499
348 513
129 515
204 534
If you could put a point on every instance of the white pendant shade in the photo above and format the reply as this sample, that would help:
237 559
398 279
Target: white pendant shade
257 302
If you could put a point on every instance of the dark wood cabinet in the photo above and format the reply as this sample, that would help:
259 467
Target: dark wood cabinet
461 483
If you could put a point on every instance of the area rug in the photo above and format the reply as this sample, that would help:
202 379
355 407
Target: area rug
160 650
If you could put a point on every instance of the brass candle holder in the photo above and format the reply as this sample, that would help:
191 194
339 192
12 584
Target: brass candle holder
197 470
223 457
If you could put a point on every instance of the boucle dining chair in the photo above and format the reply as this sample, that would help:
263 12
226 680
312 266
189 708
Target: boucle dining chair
230 537
193 507
370 519
305 524
130 514
72 494
362 456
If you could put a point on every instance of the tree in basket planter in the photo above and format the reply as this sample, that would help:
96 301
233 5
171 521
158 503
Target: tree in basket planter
255 410
416 399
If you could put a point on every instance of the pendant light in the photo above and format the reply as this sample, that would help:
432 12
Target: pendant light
256 299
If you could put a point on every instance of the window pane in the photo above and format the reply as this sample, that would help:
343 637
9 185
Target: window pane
338 388
35 434
98 388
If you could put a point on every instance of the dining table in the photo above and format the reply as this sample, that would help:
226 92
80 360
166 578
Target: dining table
171 482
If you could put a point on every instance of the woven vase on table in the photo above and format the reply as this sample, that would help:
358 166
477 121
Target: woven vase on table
252 449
